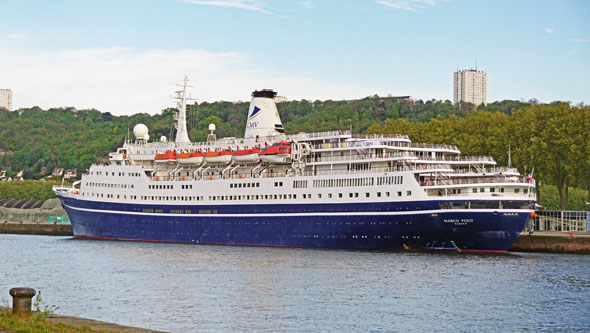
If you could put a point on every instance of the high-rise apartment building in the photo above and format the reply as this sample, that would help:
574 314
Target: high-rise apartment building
470 86
6 99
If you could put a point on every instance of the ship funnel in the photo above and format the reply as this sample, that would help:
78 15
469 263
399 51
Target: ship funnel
263 116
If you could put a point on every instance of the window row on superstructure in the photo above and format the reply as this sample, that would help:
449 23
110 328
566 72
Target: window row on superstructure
109 196
120 174
501 189
161 187
172 198
109 185
244 185
390 180
344 182
248 197
300 184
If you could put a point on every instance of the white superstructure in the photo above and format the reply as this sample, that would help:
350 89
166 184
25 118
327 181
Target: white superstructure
318 167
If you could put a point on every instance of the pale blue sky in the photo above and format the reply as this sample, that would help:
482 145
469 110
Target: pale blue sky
125 56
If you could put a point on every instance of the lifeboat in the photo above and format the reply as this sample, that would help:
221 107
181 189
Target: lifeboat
218 157
194 158
279 152
246 155
167 157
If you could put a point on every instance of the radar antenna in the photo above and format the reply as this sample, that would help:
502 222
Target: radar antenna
180 114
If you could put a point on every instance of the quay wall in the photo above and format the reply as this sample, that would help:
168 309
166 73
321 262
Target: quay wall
36 229
553 242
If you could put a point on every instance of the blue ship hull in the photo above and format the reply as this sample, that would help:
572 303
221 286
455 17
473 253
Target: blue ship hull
388 226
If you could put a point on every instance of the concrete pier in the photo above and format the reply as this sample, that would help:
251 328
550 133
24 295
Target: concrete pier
15 227
553 242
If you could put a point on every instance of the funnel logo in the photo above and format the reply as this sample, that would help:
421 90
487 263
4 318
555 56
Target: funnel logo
255 112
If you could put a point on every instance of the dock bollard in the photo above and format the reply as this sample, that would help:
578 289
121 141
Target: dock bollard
21 299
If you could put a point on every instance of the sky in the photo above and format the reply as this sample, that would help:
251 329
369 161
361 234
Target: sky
126 56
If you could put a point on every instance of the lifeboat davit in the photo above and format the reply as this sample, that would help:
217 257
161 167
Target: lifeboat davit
194 158
246 155
279 152
218 157
167 157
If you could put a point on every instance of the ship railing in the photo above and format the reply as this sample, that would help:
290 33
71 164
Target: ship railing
346 144
433 146
366 156
490 170
434 168
459 158
358 144
426 167
315 135
345 172
475 180
388 137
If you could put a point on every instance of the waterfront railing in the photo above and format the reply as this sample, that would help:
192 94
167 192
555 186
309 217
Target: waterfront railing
561 220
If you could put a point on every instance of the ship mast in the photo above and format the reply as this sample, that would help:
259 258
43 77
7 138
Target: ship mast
180 114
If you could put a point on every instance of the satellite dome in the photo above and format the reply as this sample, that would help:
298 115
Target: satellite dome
212 127
146 137
140 130
163 138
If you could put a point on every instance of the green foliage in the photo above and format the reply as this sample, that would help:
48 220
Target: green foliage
550 199
36 323
27 189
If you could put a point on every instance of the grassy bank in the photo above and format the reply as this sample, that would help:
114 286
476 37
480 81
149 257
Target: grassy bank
35 322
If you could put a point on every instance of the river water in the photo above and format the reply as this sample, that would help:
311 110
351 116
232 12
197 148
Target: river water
180 288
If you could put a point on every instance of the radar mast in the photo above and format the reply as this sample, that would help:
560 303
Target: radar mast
180 114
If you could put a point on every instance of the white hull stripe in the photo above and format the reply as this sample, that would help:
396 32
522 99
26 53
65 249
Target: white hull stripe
414 212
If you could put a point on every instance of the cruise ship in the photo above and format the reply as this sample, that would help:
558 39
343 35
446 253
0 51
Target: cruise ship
318 190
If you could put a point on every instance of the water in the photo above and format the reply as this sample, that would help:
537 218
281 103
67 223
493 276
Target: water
181 288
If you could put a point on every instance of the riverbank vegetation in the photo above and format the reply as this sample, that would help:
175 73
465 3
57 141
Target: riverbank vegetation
549 140
35 322
27 189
